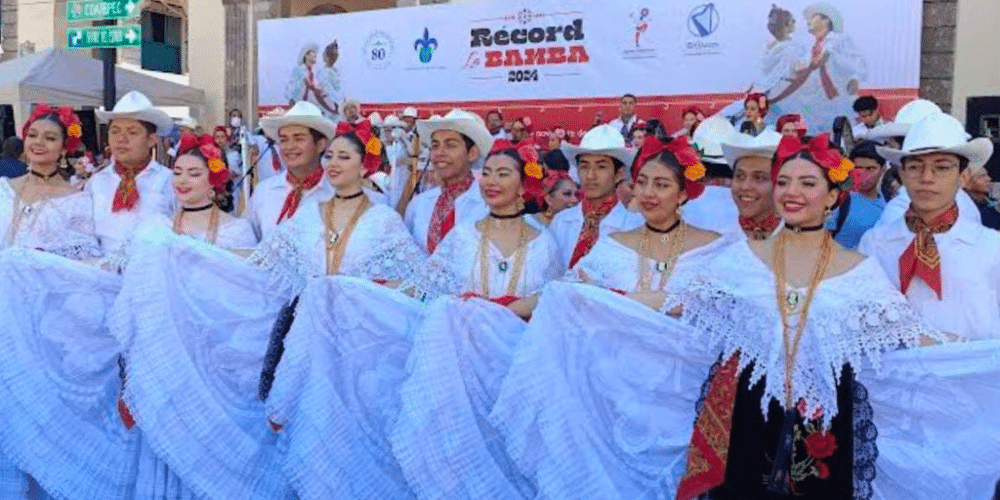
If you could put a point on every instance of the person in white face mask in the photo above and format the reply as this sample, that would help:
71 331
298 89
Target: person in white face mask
236 128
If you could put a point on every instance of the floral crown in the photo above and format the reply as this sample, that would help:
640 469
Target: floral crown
218 174
761 100
839 169
68 118
533 172
373 146
694 170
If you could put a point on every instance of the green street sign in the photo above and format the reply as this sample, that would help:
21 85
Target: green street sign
104 37
108 9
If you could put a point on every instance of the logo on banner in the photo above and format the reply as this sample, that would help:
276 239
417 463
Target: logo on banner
425 46
378 50
703 20
639 44
519 50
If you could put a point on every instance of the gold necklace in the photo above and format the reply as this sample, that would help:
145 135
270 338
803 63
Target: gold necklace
666 267
211 232
336 241
518 255
786 305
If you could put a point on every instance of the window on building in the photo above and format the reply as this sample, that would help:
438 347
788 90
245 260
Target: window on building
162 37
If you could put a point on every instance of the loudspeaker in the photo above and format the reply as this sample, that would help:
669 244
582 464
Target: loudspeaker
982 119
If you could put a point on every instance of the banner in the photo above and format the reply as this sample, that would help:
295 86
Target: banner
540 55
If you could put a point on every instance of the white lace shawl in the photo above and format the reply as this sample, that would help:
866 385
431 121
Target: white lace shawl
614 266
380 247
454 268
232 235
63 226
854 318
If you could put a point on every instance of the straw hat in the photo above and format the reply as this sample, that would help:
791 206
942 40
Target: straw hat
137 106
468 124
302 113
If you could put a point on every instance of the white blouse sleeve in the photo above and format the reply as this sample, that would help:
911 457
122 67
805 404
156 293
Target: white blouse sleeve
436 276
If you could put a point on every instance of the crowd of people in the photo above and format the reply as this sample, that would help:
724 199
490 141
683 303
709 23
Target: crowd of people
454 307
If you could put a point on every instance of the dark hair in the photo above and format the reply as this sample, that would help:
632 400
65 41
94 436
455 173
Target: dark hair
805 155
331 51
555 160
865 103
866 149
494 112
64 168
513 155
626 96
54 118
236 110
13 147
656 128
468 142
316 135
667 159
778 20
356 142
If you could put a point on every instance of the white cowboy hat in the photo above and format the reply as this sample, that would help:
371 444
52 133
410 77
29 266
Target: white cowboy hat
941 133
601 140
710 134
302 113
468 124
392 121
827 10
137 106
743 145
188 122
375 118
911 112
410 112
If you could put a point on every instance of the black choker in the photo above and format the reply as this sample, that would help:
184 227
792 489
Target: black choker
350 196
43 176
198 209
809 229
664 231
505 217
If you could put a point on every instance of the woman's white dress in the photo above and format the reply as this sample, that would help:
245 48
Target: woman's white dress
461 350
196 322
595 409
62 226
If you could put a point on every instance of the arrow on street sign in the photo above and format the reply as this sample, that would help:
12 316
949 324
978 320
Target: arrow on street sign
105 9
104 37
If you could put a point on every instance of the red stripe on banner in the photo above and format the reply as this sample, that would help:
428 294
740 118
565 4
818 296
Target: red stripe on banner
577 114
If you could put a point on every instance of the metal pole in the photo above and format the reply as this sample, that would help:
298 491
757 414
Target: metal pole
110 91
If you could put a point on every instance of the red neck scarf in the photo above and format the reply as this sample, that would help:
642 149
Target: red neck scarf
760 230
299 186
921 258
708 453
127 194
443 218
594 211
818 61
275 160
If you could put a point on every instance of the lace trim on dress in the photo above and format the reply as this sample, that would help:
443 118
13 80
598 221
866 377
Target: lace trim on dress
857 329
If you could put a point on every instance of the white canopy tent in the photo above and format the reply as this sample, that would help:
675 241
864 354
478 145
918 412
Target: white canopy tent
64 77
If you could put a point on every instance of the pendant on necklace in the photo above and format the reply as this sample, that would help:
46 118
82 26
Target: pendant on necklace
661 267
502 266
334 236
792 299
26 210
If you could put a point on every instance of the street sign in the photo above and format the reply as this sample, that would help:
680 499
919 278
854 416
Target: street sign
104 37
107 9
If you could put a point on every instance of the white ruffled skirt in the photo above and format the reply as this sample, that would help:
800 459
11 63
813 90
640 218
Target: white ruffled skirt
601 399
336 389
59 379
442 439
195 321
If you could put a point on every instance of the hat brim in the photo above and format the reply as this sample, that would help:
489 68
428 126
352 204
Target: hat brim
479 134
271 125
159 119
885 131
624 155
734 153
978 151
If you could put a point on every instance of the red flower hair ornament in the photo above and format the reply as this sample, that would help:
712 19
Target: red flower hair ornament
762 104
839 169
372 159
68 118
694 170
534 174
218 174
